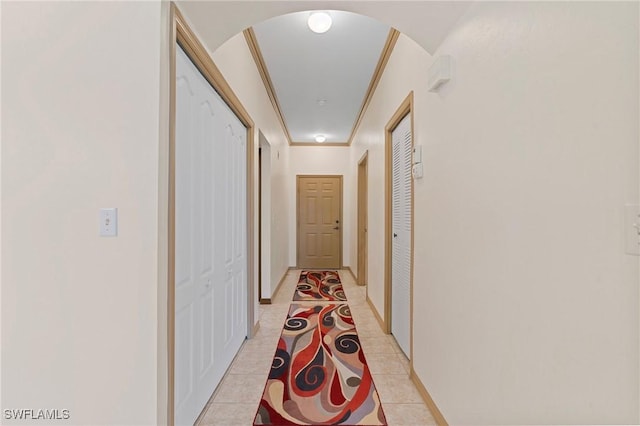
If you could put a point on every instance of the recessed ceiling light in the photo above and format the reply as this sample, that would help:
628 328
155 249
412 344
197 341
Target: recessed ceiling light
319 22
321 102
320 138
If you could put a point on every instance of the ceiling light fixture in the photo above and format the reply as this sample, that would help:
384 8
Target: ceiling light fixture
319 22
320 138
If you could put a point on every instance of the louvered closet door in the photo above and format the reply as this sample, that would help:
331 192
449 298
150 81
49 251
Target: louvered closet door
210 277
401 225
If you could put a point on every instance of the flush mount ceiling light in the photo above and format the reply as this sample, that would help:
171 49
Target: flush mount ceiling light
319 22
320 138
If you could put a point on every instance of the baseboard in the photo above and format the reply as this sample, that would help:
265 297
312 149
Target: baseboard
284 276
265 301
348 268
377 315
435 411
256 328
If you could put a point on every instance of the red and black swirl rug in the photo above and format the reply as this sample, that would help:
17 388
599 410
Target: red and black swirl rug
319 375
319 286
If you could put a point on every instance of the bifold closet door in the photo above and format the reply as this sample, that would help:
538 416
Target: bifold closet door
210 240
401 242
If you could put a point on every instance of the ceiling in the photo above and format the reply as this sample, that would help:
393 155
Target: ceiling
300 67
320 81
427 22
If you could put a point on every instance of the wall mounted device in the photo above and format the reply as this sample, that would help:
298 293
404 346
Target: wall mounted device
439 73
417 154
416 168
417 171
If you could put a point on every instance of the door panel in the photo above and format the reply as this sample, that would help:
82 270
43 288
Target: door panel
186 281
210 216
319 221
184 383
401 226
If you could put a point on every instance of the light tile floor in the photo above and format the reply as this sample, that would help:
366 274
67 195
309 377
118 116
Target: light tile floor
236 400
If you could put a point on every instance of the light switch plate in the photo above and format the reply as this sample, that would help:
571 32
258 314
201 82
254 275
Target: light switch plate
108 222
632 229
417 154
416 171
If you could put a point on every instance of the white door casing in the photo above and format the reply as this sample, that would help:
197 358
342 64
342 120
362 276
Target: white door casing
401 239
210 238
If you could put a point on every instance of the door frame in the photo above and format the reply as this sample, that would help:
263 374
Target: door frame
298 214
363 214
405 108
259 233
182 34
264 217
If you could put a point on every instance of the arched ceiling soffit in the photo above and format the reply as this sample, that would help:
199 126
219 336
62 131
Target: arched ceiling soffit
426 22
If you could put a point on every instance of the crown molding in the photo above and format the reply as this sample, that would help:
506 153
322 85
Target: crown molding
258 58
252 42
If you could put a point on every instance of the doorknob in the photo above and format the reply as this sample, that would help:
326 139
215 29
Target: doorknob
336 228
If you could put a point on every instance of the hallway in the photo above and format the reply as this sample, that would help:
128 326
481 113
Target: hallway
526 204
236 400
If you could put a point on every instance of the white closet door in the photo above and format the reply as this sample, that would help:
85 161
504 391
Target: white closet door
231 249
401 225
210 318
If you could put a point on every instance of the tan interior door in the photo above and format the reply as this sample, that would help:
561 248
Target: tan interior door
319 222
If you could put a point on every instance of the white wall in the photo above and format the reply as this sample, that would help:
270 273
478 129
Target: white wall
324 160
526 306
0 213
80 106
235 62
404 73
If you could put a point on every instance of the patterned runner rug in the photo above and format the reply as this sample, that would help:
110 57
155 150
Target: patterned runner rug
319 375
318 286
